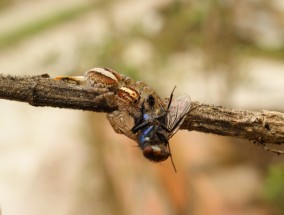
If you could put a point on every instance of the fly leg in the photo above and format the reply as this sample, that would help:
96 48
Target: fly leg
139 123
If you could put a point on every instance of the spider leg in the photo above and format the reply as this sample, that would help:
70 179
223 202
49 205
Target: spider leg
76 79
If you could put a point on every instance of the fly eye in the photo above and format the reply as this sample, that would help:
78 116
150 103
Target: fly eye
155 153
150 153
151 100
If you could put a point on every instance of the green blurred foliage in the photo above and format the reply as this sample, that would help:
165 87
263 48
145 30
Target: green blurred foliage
274 187
26 31
186 25
108 53
4 3
181 28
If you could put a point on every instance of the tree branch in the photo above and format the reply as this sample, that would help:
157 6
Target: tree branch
259 126
44 91
262 127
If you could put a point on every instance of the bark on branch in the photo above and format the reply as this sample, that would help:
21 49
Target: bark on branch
43 91
259 126
262 127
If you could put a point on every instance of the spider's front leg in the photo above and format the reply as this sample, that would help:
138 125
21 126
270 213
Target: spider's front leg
80 80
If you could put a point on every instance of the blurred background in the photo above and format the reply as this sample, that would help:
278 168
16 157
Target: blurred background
222 52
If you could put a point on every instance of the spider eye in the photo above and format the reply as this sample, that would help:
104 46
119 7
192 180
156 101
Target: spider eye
151 100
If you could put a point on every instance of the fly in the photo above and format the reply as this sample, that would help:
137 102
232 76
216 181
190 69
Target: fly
156 127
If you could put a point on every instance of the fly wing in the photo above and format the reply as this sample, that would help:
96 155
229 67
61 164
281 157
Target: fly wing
178 110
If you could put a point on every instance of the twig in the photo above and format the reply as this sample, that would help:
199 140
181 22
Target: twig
44 91
262 127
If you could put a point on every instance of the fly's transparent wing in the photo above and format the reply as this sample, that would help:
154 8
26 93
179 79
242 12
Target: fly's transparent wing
178 110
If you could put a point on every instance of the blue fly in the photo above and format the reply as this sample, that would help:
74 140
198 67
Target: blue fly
156 127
